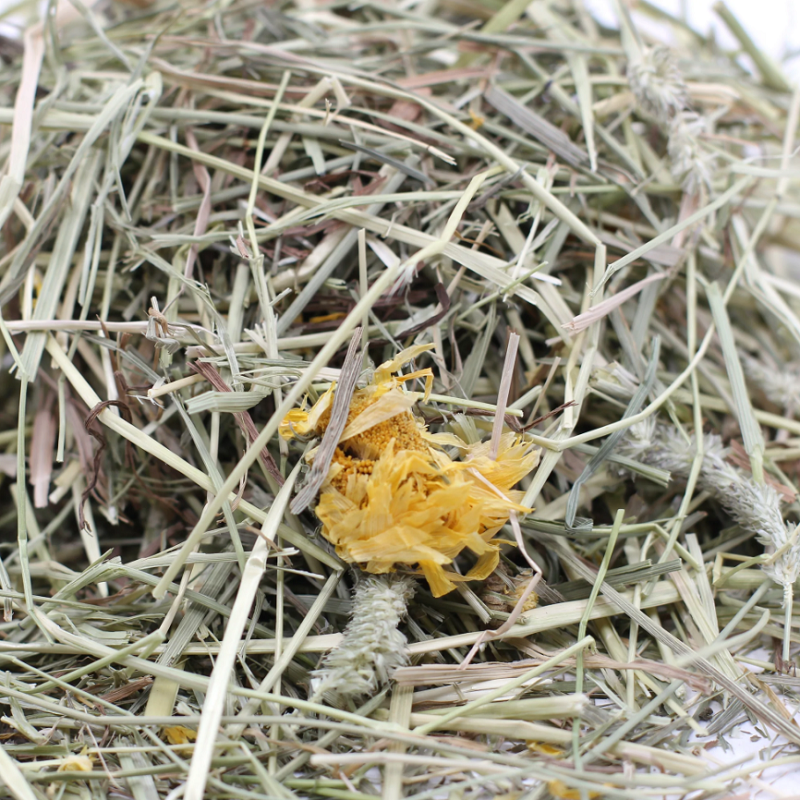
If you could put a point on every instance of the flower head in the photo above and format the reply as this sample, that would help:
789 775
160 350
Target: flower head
393 496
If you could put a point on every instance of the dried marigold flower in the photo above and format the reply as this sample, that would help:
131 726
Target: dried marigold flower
393 496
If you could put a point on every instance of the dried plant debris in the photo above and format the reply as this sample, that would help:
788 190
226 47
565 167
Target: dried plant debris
399 400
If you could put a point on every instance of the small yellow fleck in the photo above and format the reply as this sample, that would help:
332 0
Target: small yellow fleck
530 603
76 763
560 789
477 120
545 749
329 317
178 734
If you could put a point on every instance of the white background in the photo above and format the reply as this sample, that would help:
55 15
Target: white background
774 25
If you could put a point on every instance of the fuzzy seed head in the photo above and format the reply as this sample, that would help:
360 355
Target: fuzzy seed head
690 163
373 647
657 83
754 506
780 386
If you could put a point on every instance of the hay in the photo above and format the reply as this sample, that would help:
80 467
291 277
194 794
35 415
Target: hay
597 235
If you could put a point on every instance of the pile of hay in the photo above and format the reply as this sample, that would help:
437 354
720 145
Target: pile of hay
595 234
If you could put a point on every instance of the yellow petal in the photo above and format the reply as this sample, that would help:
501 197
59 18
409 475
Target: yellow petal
560 789
437 579
294 423
515 459
299 422
178 734
443 439
76 763
545 749
385 371
484 566
320 407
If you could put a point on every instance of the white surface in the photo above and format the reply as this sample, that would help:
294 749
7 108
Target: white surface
748 749
774 25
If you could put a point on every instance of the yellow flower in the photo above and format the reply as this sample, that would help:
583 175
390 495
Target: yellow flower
393 496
